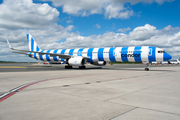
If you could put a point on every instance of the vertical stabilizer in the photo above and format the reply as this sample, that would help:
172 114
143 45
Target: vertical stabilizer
32 44
178 61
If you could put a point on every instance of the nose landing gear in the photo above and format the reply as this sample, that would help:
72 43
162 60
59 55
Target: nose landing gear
147 67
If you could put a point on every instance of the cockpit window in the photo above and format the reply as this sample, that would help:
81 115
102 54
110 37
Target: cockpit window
161 51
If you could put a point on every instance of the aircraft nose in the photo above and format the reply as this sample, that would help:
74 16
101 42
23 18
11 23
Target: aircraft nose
167 57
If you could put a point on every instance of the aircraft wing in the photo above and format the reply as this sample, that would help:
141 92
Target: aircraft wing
44 53
41 53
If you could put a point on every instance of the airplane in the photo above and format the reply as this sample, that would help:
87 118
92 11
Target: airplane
167 62
161 62
95 56
174 62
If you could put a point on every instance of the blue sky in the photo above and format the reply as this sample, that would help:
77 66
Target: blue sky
56 24
159 15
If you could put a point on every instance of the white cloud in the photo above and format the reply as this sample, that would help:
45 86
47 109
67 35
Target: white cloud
142 35
24 13
17 18
69 21
110 8
47 39
98 26
151 36
170 30
175 40
143 32
124 29
15 27
117 11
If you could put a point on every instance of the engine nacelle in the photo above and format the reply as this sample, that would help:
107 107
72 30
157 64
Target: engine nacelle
76 61
99 63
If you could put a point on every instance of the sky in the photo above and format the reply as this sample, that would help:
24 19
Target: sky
59 24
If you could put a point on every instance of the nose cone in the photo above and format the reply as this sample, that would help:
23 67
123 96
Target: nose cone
167 57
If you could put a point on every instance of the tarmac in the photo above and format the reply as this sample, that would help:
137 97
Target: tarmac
117 92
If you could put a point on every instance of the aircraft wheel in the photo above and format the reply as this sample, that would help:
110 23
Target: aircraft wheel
146 69
68 67
82 67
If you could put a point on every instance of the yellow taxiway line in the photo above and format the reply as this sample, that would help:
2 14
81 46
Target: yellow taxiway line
12 67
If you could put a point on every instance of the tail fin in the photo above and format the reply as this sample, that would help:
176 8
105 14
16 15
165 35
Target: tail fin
178 60
32 44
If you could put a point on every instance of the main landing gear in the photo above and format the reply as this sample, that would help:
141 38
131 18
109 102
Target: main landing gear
68 67
82 67
147 67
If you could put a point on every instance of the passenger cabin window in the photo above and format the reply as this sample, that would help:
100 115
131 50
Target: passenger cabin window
130 51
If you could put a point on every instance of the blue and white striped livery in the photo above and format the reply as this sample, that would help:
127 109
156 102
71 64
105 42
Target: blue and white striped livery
32 44
95 56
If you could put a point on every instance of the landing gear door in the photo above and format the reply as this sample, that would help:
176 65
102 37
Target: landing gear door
150 52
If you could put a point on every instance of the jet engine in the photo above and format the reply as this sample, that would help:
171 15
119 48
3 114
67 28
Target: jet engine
99 63
76 61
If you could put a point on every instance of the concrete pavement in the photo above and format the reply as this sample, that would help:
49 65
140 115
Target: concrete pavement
99 94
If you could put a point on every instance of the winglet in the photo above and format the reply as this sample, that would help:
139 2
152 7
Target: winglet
9 45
